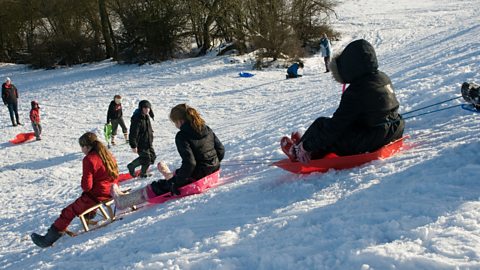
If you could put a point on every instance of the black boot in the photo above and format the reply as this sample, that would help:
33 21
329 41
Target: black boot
143 171
48 239
132 165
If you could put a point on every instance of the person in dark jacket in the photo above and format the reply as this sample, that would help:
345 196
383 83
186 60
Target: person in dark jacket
141 139
115 117
367 117
9 98
201 152
100 171
292 71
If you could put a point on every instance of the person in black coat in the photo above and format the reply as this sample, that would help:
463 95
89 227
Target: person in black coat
367 117
201 152
9 98
115 117
141 138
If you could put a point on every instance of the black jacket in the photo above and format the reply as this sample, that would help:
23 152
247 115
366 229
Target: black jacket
367 117
114 111
141 132
9 95
201 154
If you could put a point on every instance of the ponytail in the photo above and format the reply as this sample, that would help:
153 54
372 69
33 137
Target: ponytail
188 114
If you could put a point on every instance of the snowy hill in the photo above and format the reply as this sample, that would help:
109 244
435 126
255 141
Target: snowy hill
417 210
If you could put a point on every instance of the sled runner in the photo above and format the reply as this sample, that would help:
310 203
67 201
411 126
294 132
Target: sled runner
196 187
332 161
22 137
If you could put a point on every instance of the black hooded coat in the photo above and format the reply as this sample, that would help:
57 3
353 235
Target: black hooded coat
367 117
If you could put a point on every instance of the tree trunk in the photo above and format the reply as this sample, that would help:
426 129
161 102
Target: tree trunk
105 28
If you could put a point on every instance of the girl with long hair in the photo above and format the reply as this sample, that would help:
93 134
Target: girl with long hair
100 171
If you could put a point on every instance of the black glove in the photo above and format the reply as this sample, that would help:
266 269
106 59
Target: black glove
173 189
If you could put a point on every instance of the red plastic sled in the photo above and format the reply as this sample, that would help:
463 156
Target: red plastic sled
332 161
196 187
23 137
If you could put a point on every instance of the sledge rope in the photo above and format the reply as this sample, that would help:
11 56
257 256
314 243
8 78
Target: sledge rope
438 103
438 110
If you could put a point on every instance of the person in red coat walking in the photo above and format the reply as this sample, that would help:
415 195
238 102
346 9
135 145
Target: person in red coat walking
100 171
35 118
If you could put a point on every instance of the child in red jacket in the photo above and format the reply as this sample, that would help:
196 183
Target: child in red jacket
100 172
35 118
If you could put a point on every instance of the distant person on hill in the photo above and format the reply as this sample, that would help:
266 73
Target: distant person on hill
367 117
100 171
201 152
141 139
35 118
9 97
326 51
292 71
115 117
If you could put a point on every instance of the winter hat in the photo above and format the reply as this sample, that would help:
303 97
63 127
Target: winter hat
33 103
117 96
144 104
8 79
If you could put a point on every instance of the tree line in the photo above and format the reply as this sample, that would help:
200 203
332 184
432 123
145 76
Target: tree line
46 33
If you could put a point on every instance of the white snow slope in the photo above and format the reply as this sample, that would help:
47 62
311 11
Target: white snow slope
416 210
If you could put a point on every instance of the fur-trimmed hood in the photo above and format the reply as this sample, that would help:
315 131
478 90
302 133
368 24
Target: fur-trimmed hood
355 61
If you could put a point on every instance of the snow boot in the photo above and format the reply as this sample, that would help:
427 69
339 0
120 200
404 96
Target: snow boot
132 165
123 201
164 170
287 147
113 141
296 137
48 239
126 137
144 171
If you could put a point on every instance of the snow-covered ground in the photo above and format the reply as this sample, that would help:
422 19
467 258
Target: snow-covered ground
417 210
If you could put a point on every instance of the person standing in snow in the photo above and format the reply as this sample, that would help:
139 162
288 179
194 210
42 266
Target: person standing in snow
10 97
100 171
201 152
292 71
35 118
115 117
141 139
326 51
367 117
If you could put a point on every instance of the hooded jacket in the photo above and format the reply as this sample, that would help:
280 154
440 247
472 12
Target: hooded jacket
201 154
367 117
141 132
35 113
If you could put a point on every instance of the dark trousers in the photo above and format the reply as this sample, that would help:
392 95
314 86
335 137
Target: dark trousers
146 157
327 62
13 110
355 141
115 123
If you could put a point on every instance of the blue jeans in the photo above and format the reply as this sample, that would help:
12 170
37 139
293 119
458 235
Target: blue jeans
13 109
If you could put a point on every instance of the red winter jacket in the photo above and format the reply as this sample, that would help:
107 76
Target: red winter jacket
35 116
95 180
